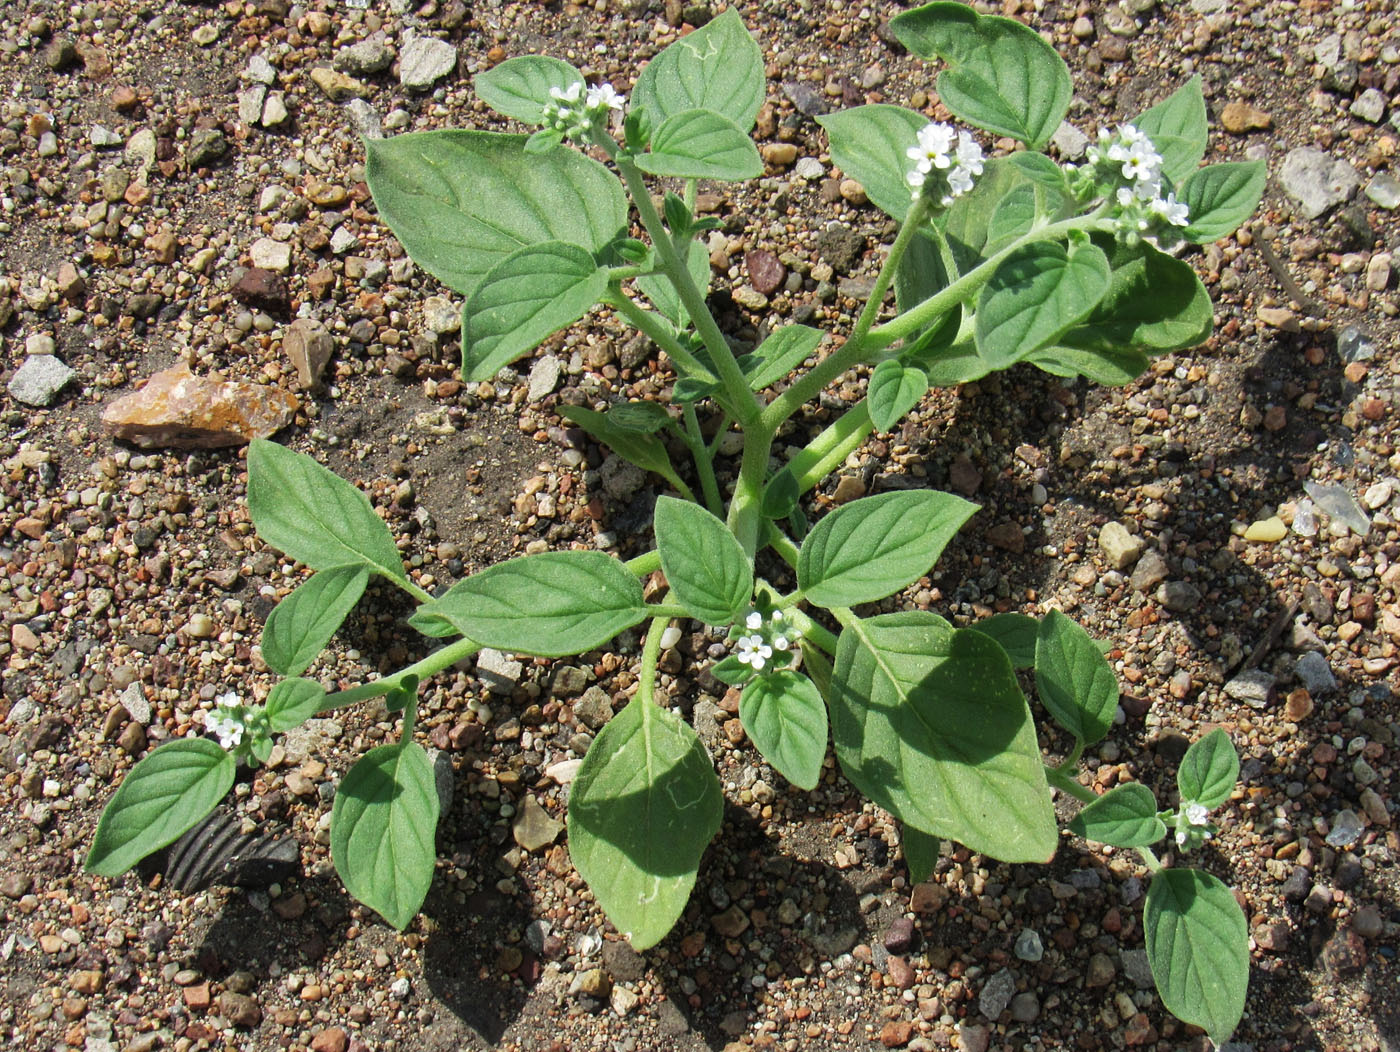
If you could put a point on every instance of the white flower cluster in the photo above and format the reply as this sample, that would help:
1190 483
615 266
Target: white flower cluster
1192 826
945 160
755 647
228 721
572 111
1127 157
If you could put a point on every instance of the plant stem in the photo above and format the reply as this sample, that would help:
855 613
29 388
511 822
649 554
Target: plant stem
659 331
745 509
651 650
435 662
1070 762
412 589
781 543
829 449
915 219
695 439
644 564
813 632
1066 784
1150 860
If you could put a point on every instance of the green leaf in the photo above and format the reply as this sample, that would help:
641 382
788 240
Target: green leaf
1209 770
875 546
1040 170
949 366
300 626
1034 295
1015 632
1112 368
1002 76
646 451
519 87
704 564
868 143
1125 816
1219 197
462 201
926 270
1154 303
431 625
643 806
1198 948
543 141
663 296
645 418
701 144
532 293
894 390
314 515
551 605
382 825
1178 129
732 671
166 794
782 352
781 495
717 67
967 220
930 724
1074 680
292 702
920 852
784 715
1013 217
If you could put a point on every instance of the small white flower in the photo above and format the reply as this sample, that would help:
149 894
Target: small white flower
604 97
1173 211
1126 197
227 701
754 621
959 181
1181 838
572 93
780 642
1195 813
969 154
753 651
1141 162
228 729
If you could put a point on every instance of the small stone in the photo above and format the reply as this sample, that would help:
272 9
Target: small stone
104 138
622 1000
1378 272
1339 504
1151 570
1346 829
424 61
176 409
498 673
1374 806
206 146
848 488
263 289
809 168
365 119
594 708
854 193
750 298
594 983
544 378
1369 106
1100 971
365 58
40 380
240 1010
900 937
1266 530
250 103
274 111
899 972
337 86
1315 674
1384 191
779 154
1272 936
1253 686
1121 549
1344 953
1368 922
331 1039
309 347
1069 141
270 254
260 71
974 1037
996 994
533 828
1025 1008
1180 597
1278 318
896 1034
1298 706
732 923
61 54
1028 945
1008 537
1316 180
1240 117
840 246
766 273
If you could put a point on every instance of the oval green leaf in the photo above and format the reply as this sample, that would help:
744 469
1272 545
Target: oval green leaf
1015 632
301 625
532 293
314 515
1209 770
643 806
920 852
519 87
382 825
717 67
875 546
931 724
704 564
1001 75
1219 197
462 201
1154 303
786 718
1125 816
1198 948
292 702
701 144
550 605
1178 129
868 143
1034 295
782 352
1111 368
1075 683
164 796
894 390
646 451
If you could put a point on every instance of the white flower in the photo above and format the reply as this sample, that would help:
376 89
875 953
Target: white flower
959 181
754 621
753 651
1142 162
1172 210
1195 813
227 701
969 154
228 729
573 93
940 148
604 97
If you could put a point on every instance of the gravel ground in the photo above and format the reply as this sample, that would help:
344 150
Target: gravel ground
153 153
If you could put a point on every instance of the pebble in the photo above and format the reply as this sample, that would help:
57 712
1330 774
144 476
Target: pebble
424 61
1317 181
996 994
1240 117
1151 570
809 168
1266 530
1378 272
1346 829
1120 548
1069 141
1384 191
1028 946
338 86
1314 674
1025 1008
544 378
176 409
766 271
779 154
104 138
533 828
260 71
39 380
1253 687
1369 106
498 673
271 254
206 146
309 347
1339 505
365 58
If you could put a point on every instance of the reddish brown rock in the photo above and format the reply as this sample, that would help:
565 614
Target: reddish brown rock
896 1034
766 272
179 410
332 1039
309 347
263 289
1008 537
1240 117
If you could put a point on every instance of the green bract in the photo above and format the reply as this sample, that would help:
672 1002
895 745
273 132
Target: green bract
998 262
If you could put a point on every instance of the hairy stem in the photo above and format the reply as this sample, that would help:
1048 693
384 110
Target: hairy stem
430 665
704 465
644 564
781 543
828 450
651 651
659 331
1063 782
